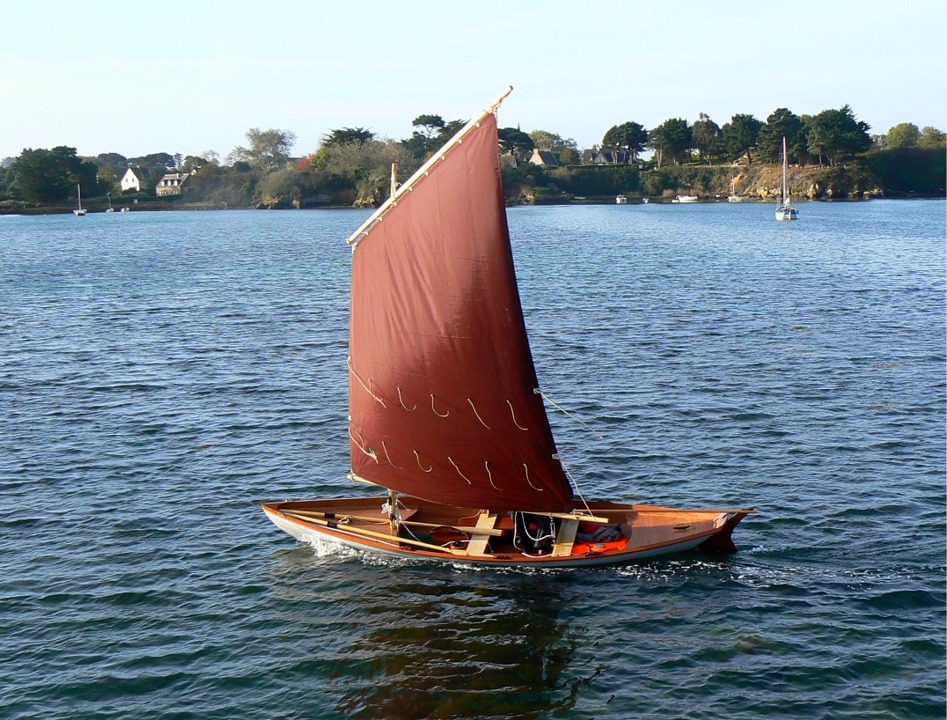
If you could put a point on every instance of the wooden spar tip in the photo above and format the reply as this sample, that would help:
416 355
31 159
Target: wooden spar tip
376 216
494 106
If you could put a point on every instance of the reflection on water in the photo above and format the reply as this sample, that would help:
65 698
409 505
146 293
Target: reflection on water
425 641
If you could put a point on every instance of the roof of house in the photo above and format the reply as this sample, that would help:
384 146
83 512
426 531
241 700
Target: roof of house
180 177
544 157
140 172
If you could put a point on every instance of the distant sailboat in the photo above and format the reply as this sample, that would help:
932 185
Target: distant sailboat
79 211
785 209
110 208
733 197
445 410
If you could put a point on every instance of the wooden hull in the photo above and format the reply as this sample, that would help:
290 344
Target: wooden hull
466 536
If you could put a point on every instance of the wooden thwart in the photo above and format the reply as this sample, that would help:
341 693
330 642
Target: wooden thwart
481 534
578 516
565 537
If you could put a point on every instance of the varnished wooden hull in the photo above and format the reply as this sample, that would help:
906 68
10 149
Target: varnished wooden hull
450 534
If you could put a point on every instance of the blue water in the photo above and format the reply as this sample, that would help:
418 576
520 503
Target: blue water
163 373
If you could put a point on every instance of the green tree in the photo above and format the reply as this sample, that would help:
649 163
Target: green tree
159 162
740 135
670 140
903 135
836 134
430 125
931 137
115 159
365 166
551 142
52 175
513 140
707 137
781 123
428 138
194 163
348 136
39 176
629 137
280 189
268 150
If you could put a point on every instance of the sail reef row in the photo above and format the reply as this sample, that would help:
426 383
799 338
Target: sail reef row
443 396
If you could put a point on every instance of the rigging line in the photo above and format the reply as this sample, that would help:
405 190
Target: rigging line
562 409
514 417
478 414
348 362
401 400
408 530
418 458
451 461
435 409
575 484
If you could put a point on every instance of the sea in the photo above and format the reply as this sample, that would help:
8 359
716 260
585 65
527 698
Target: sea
163 373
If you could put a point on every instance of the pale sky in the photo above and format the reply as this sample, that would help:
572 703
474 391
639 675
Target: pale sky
186 76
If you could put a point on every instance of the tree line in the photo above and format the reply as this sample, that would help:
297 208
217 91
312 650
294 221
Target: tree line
352 165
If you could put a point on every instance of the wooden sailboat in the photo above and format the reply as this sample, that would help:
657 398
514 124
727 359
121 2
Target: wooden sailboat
79 211
445 407
785 209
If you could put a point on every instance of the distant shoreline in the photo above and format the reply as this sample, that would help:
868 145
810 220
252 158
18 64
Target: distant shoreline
93 209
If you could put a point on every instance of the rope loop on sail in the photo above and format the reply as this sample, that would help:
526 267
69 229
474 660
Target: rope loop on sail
435 409
361 382
513 414
526 470
477 414
358 443
418 458
451 461
401 400
388 457
486 464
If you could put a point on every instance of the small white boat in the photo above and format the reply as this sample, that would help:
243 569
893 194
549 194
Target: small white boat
621 200
685 199
785 209
733 197
110 208
79 211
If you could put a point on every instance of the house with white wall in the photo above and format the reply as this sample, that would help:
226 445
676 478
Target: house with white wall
135 179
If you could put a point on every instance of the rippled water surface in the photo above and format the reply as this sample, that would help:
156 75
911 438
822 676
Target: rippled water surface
163 373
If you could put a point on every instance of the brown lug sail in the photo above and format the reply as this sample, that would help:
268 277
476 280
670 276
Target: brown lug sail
442 384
